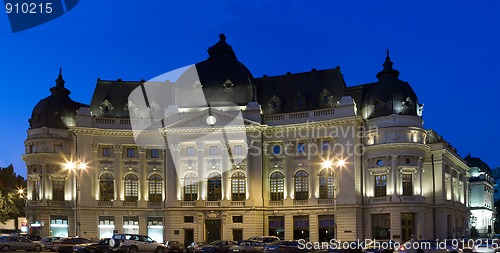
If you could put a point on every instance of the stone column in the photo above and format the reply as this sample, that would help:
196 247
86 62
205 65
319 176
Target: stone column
174 190
226 187
95 172
314 170
418 176
288 146
119 193
44 184
143 172
394 170
202 189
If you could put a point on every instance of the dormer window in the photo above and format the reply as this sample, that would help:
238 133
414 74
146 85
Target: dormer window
299 102
106 107
325 98
228 85
275 104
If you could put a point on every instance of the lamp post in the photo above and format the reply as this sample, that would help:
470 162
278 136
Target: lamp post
73 167
339 164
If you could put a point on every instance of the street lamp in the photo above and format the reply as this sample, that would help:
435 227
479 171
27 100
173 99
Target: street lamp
339 164
73 167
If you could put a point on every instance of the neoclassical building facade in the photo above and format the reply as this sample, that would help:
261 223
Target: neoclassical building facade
219 154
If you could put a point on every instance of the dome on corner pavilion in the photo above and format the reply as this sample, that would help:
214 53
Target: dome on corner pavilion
223 79
390 95
57 110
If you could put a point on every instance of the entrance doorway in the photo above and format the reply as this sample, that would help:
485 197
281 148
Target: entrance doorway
407 225
188 237
213 230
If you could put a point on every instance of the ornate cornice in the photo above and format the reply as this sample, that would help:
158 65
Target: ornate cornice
420 146
354 120
46 158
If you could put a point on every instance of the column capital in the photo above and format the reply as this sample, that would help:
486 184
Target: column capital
200 145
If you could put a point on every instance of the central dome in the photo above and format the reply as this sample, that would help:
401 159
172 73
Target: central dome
223 79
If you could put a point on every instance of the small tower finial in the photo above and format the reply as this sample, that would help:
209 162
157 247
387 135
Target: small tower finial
60 81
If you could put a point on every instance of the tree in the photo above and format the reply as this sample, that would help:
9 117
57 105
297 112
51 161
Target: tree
11 203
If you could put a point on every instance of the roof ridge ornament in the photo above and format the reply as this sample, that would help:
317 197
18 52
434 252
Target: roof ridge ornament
59 89
388 71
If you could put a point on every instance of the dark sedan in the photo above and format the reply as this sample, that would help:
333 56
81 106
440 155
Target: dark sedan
72 244
247 246
285 247
217 247
100 247
194 247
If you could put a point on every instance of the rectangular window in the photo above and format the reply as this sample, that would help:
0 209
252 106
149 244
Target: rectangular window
188 219
190 151
325 145
237 219
380 185
106 152
381 226
106 226
59 226
58 190
301 148
238 150
326 225
131 152
301 227
214 150
131 225
155 153
277 226
155 228
407 184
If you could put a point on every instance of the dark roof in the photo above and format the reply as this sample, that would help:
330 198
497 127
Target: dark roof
389 95
57 110
478 163
301 91
114 92
224 79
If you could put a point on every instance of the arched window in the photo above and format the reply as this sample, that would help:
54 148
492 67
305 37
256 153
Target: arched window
106 187
131 187
155 187
238 187
301 185
277 181
326 184
214 187
190 187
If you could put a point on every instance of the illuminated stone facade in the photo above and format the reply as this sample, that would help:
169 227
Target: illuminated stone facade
319 160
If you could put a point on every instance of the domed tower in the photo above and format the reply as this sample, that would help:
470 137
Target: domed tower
223 79
390 95
48 148
394 150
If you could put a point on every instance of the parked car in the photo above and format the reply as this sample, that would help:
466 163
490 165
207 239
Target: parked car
71 244
485 246
380 246
217 247
248 246
264 239
9 243
194 247
284 247
48 241
33 237
100 247
347 247
132 243
426 246
174 247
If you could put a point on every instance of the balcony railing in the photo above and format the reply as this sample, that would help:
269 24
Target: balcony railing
300 202
238 203
105 203
325 201
130 204
276 203
155 204
187 203
211 203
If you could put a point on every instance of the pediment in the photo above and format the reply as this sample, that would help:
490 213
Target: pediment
205 119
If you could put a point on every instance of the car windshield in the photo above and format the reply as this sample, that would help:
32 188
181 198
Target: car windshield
215 242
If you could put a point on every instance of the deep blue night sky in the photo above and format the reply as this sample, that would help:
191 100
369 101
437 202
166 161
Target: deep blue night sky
449 51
